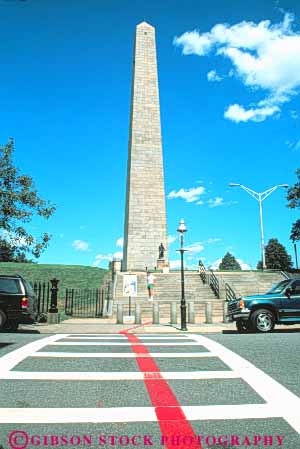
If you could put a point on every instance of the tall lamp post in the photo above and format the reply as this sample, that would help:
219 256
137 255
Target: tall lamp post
181 230
260 197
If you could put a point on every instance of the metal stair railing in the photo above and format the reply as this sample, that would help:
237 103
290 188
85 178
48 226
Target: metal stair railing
230 293
214 283
202 272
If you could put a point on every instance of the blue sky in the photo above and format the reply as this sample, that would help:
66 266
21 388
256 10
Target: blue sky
229 77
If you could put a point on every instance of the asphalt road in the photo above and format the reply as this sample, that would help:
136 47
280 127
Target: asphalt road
201 391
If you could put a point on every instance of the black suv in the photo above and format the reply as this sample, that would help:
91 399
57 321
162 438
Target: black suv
18 302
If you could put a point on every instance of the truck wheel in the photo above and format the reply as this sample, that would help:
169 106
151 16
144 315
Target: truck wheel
11 326
263 320
243 325
2 320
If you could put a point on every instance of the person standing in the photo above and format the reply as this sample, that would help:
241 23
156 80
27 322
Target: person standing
150 285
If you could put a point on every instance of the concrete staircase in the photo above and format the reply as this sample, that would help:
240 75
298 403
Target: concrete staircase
167 291
168 287
249 282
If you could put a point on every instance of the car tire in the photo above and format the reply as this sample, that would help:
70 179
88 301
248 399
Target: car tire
243 326
263 320
3 319
11 326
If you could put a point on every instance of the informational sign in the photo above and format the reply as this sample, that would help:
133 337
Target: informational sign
130 285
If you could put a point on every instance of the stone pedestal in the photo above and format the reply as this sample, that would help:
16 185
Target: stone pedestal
53 318
116 266
160 264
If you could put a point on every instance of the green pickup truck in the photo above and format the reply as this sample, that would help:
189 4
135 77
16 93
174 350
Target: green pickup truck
279 305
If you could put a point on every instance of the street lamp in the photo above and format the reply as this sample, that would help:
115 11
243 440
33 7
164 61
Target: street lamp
181 230
260 197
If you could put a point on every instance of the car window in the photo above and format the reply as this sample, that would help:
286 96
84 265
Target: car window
10 286
278 288
296 287
29 288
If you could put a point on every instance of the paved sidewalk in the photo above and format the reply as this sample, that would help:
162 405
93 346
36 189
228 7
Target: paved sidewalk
100 325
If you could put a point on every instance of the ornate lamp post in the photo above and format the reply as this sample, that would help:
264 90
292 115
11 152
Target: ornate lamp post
260 197
181 230
54 290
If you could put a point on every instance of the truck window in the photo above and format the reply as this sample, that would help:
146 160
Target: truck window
278 288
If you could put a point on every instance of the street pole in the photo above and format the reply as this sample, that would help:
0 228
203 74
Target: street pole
183 303
260 197
181 229
262 233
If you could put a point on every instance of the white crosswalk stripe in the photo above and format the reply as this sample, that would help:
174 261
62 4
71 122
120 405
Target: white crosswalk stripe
279 401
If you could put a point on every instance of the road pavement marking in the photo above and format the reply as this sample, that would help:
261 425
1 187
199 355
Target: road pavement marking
276 395
169 413
10 360
97 343
136 414
146 337
82 375
122 354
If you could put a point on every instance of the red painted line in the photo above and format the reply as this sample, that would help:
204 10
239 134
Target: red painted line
171 419
134 327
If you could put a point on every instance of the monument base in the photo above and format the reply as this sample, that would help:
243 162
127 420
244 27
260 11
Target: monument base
161 264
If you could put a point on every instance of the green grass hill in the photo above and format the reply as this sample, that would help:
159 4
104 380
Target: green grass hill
70 276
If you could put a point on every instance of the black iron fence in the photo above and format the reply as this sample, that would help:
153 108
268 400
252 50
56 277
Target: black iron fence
43 293
86 303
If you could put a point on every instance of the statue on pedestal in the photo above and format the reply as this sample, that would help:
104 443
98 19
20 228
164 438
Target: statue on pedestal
161 251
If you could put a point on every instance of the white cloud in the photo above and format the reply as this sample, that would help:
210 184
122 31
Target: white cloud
237 113
102 258
189 195
244 265
213 240
118 255
171 239
175 264
264 56
120 242
213 76
195 248
80 245
215 265
219 201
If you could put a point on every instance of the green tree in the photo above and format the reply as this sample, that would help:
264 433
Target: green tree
6 251
19 202
295 237
295 231
9 253
229 263
276 256
293 193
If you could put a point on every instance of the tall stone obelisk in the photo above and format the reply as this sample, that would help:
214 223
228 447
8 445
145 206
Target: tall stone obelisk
145 215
